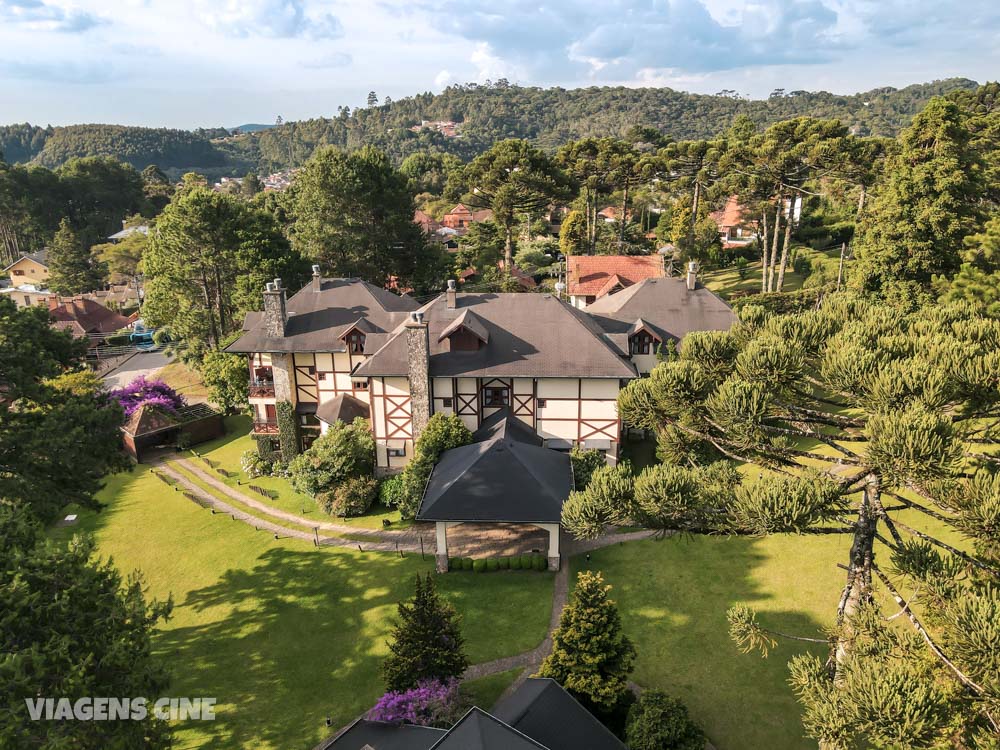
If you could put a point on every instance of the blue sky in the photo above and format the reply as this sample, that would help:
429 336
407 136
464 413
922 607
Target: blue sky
189 63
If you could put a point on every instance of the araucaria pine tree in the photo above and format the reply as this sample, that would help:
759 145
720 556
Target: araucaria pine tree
73 270
591 655
861 419
426 642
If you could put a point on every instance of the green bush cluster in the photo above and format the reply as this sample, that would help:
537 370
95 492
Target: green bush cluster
442 433
352 497
493 564
479 566
392 491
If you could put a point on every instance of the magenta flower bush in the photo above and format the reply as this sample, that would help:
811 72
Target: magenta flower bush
432 703
153 392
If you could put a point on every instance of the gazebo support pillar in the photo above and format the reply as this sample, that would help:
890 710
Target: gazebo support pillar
441 532
554 554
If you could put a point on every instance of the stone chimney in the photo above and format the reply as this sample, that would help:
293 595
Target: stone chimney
451 295
275 314
317 279
692 275
418 355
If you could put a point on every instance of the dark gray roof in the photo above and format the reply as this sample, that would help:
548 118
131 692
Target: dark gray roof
477 730
345 408
541 709
471 322
530 335
381 735
317 320
666 305
503 479
500 424
41 256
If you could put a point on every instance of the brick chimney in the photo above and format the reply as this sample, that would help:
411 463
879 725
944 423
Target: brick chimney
692 275
418 355
275 314
317 279
451 295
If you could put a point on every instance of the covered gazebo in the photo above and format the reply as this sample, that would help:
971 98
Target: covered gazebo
501 495
151 426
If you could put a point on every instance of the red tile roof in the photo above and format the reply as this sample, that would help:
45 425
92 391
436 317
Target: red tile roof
88 315
733 214
594 275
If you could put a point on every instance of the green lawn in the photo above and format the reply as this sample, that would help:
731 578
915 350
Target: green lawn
282 634
185 380
226 452
726 281
486 691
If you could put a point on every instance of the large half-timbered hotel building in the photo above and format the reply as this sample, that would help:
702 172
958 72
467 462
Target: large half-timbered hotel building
341 348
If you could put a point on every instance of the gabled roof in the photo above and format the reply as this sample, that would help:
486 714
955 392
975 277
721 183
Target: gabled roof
665 306
530 335
343 408
381 735
40 257
733 214
505 478
89 315
318 318
470 322
501 424
614 282
642 325
477 730
589 275
543 710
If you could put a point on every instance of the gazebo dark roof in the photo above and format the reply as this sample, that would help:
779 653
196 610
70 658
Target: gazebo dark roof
382 735
506 477
344 408
541 709
477 730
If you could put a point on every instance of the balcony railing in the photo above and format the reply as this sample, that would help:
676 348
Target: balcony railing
264 427
261 388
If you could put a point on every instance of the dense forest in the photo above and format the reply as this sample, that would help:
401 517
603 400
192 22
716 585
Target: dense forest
487 114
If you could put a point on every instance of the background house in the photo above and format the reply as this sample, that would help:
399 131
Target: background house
590 277
30 269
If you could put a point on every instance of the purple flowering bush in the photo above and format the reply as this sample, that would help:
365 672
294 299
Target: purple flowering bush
432 703
153 392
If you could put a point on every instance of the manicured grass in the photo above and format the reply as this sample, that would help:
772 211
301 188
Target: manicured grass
673 595
486 691
282 634
726 281
226 452
185 380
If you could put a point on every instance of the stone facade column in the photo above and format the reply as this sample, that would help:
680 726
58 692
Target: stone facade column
418 355
281 369
554 554
441 533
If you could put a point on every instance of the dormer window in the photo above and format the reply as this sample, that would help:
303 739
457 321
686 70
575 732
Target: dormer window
641 343
466 333
355 341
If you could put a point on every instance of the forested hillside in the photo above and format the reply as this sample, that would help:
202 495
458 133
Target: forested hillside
486 113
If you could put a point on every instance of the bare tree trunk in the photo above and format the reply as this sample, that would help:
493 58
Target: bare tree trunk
858 590
774 246
213 330
762 242
508 250
861 199
695 204
587 200
593 227
784 250
840 267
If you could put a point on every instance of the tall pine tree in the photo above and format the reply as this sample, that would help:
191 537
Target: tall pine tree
591 656
72 269
427 641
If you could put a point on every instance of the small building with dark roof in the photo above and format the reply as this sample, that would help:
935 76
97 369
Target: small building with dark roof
503 487
539 715
150 427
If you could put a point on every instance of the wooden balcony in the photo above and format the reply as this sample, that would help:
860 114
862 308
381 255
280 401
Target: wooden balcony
261 427
261 388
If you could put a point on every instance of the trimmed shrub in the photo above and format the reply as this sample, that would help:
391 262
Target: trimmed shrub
539 563
515 563
492 564
525 562
503 563
342 452
479 566
352 497
466 563
658 721
391 491
454 563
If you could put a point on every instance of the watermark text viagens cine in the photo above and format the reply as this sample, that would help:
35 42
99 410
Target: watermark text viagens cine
120 709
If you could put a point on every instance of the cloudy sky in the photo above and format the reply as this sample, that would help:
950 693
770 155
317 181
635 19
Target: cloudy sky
188 63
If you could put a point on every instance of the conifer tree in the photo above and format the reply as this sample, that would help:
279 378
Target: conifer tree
926 206
591 655
427 641
863 419
71 268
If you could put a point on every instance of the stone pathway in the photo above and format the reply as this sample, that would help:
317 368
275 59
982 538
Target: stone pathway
407 539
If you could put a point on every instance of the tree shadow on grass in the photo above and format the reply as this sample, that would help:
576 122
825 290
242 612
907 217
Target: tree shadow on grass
673 595
297 638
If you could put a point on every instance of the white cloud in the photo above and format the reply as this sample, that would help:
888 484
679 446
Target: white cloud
442 79
278 19
37 15
331 60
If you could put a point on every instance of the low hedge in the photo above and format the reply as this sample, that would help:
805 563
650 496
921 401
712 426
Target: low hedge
454 563
493 564
526 562
466 563
515 563
479 566
504 563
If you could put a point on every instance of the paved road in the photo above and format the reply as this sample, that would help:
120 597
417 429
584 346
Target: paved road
143 363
